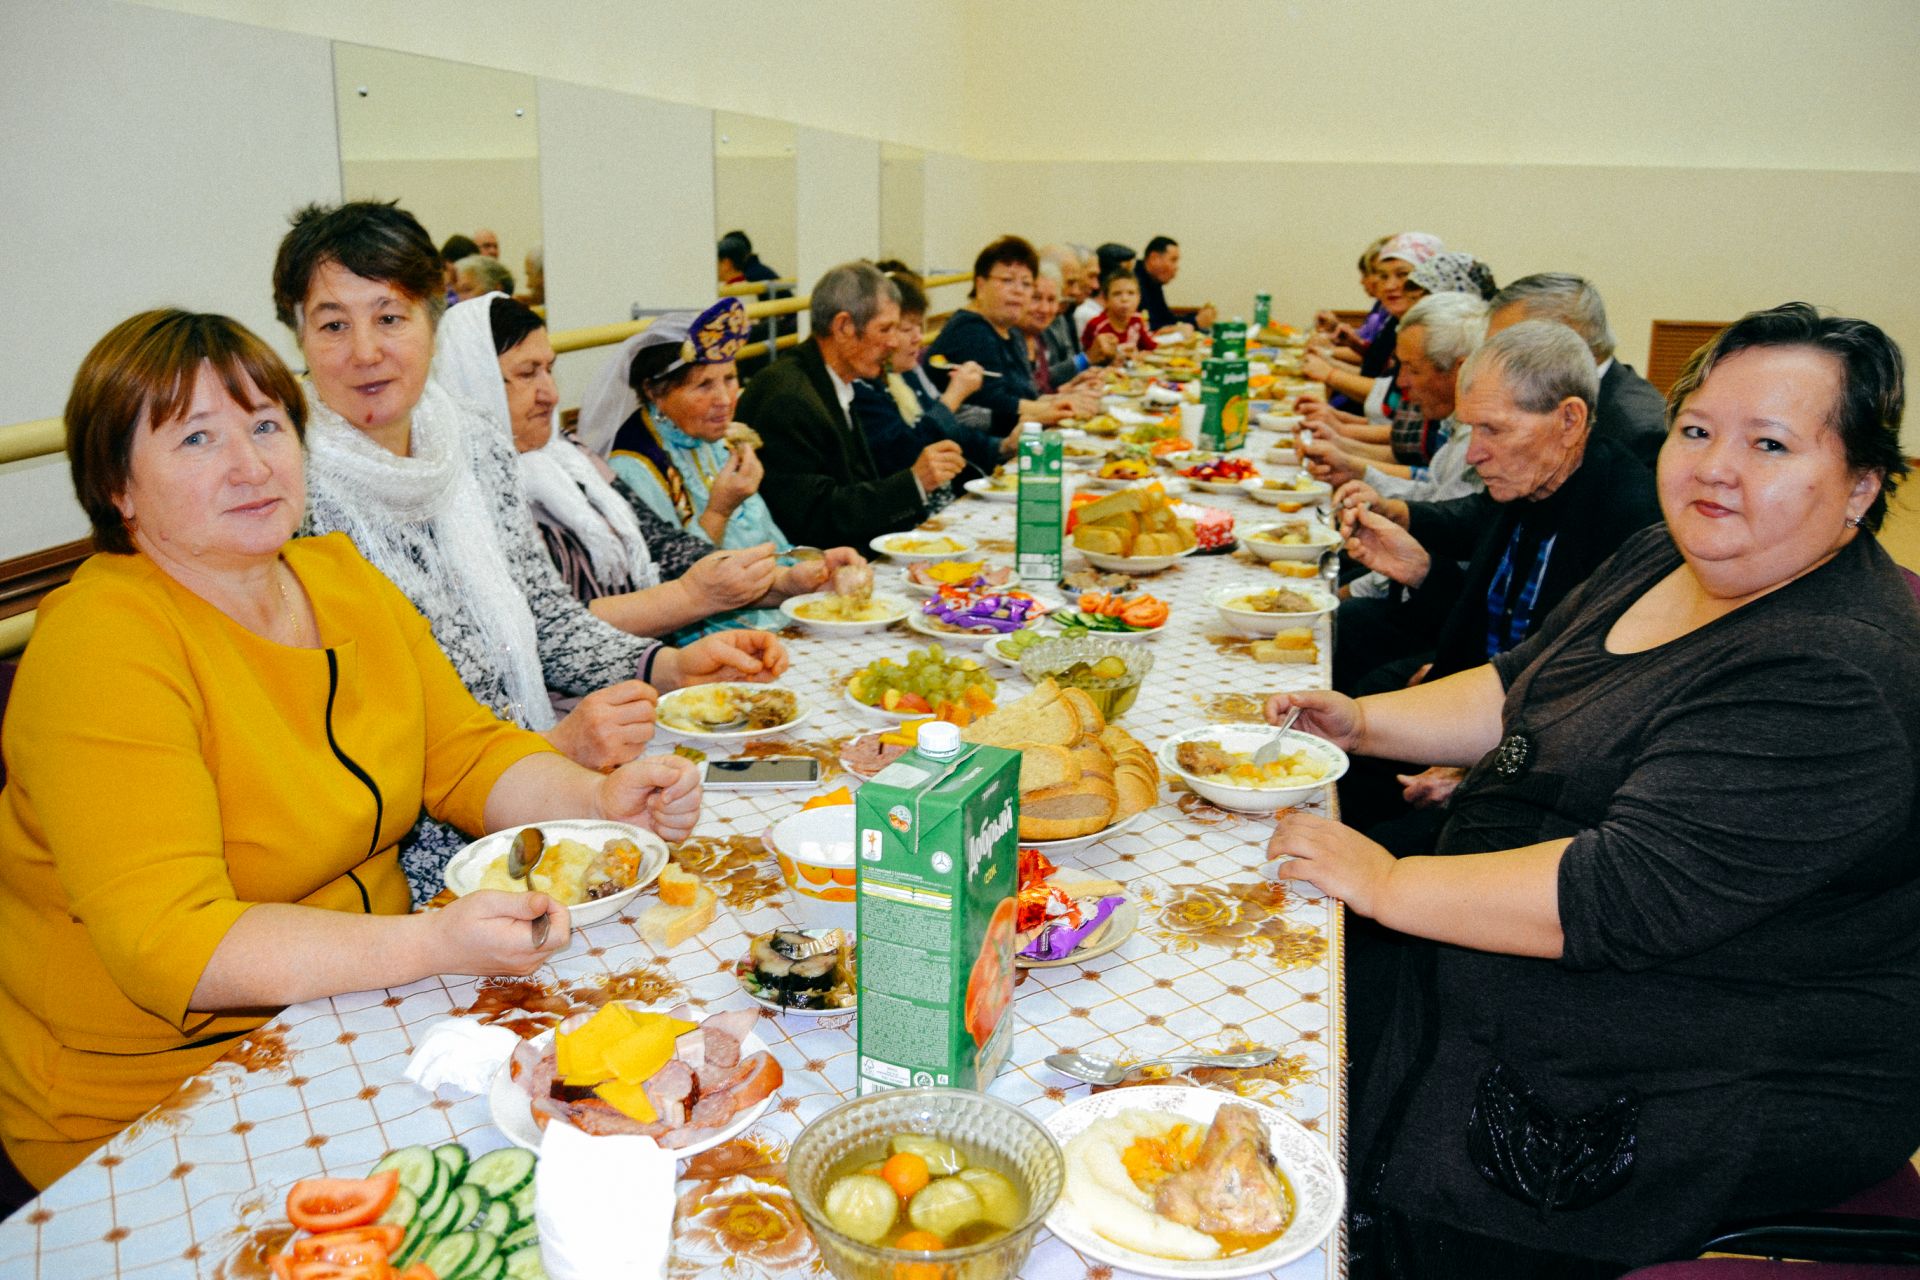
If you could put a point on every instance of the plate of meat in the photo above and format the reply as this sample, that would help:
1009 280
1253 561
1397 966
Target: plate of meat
718 1081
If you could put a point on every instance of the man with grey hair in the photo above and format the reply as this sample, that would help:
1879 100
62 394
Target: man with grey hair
1558 502
476 274
1629 409
822 485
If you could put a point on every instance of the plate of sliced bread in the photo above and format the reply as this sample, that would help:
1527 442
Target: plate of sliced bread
1081 779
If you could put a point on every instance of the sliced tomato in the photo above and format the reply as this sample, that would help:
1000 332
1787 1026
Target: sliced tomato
419 1271
282 1264
316 1269
328 1204
371 1243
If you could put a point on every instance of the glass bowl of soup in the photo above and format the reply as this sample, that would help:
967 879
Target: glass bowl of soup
884 1179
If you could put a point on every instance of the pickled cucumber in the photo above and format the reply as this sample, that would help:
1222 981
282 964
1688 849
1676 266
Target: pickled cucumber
999 1199
942 1160
863 1207
945 1206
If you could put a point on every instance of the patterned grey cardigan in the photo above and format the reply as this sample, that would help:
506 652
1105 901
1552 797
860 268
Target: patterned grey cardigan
578 652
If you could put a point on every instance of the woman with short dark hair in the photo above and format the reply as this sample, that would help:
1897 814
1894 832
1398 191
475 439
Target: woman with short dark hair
1679 974
217 740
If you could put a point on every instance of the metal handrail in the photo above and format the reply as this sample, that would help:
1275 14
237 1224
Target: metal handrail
45 437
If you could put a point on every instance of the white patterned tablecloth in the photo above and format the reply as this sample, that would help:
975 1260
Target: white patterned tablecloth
1223 958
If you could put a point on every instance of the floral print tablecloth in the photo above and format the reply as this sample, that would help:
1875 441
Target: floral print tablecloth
1223 958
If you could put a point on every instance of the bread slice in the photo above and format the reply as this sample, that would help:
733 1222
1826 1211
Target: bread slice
1061 813
1093 760
1087 716
1114 505
1106 542
1042 718
678 888
1136 790
667 926
1046 766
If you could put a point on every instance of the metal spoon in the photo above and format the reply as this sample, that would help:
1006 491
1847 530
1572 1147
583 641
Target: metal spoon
1270 749
1097 1070
523 855
940 362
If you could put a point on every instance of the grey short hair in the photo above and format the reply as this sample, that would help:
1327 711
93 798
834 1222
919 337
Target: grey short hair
491 273
537 258
1455 325
1542 363
1568 299
1050 269
857 288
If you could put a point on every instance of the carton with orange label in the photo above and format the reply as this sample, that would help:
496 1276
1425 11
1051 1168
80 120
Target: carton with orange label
937 842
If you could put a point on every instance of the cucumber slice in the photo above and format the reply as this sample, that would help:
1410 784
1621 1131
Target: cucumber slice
495 1268
448 1257
498 1218
519 1238
431 1228
434 1199
486 1252
466 1207
455 1157
522 1202
404 1209
416 1166
524 1264
503 1172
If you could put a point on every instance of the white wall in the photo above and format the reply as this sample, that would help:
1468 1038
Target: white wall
627 187
903 206
150 159
759 194
838 187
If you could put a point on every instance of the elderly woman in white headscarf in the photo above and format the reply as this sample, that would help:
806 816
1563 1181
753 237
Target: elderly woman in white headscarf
425 485
633 569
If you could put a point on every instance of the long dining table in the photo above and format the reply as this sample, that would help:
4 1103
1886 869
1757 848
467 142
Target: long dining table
1224 957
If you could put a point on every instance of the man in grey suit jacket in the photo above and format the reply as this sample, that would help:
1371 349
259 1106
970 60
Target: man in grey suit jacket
822 485
1629 412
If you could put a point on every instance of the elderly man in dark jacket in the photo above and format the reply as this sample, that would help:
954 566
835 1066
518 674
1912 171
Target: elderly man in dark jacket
823 486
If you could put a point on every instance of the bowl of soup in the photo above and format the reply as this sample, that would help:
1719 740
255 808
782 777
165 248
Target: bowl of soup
943 1182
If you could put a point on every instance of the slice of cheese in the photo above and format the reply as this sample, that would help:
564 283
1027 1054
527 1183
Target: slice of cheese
628 1099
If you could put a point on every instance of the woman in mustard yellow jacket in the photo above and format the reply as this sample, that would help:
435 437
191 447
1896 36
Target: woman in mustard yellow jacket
215 742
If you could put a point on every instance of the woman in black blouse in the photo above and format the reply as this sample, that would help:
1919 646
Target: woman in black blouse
1676 907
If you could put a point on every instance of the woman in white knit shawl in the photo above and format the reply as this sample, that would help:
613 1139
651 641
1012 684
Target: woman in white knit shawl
632 568
426 487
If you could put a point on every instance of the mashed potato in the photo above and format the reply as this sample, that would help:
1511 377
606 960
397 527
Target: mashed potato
1107 1200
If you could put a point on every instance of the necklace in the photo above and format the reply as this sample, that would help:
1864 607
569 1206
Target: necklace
294 628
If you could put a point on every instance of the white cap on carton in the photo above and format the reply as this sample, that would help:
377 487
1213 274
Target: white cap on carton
938 739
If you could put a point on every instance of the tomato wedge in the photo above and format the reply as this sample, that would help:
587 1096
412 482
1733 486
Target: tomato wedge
314 1269
355 1245
328 1204
419 1271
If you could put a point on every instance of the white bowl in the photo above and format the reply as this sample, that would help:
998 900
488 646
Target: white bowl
1132 564
1188 458
1324 540
1285 423
897 546
1267 624
918 589
1315 494
980 487
1283 457
811 846
464 870
801 710
898 607
1246 739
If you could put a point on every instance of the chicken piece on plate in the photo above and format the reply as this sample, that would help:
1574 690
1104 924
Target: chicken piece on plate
1202 758
854 581
1232 1186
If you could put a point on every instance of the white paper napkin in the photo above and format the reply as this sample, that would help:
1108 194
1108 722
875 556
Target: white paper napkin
461 1053
604 1206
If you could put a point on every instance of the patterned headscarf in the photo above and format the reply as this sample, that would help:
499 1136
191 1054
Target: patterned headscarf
1454 273
713 336
1412 246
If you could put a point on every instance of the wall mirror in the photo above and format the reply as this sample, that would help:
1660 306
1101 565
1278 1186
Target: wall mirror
456 145
754 187
903 193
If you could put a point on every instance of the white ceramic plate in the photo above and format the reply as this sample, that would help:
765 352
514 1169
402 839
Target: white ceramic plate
1324 540
898 607
1218 486
464 869
1118 928
801 710
980 487
1249 738
1133 564
1051 847
917 621
1319 1195
513 1111
1315 494
1266 624
896 546
744 965
915 588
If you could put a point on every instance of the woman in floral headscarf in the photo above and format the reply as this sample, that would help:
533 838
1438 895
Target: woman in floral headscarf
1349 386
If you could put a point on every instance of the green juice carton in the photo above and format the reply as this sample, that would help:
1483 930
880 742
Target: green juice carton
1262 311
1230 340
1223 391
936 886
1041 515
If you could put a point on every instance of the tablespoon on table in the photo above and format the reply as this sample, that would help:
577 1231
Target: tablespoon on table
523 855
1097 1070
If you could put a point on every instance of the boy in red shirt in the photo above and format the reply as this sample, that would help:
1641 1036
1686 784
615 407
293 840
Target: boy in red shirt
1120 294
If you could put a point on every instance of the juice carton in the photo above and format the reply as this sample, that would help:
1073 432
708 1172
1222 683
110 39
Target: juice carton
1223 394
1262 310
1230 340
935 889
1042 505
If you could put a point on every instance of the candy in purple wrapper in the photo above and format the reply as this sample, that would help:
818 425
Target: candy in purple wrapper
1060 940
